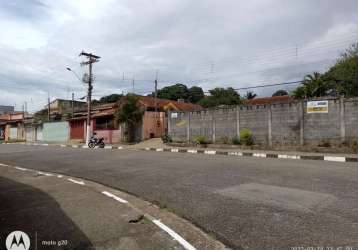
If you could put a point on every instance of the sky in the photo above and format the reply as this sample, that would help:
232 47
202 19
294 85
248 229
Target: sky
207 43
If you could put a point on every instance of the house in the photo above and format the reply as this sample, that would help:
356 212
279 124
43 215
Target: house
103 123
270 100
62 106
6 109
12 126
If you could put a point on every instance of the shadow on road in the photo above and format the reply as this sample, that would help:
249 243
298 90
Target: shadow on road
25 208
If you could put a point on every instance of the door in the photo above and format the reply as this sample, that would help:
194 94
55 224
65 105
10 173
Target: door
77 130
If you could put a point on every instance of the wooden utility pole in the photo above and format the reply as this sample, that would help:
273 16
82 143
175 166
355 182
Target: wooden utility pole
133 84
156 93
73 104
91 59
48 109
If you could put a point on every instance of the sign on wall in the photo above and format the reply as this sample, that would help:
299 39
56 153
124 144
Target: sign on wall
317 107
174 115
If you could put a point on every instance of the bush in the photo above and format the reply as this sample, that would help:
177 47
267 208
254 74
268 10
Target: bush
166 138
225 140
246 137
201 140
236 140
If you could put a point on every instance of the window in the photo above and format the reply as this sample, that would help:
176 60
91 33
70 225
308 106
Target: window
106 122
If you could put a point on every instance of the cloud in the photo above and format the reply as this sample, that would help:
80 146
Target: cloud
204 42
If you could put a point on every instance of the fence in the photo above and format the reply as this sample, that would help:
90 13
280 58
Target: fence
272 124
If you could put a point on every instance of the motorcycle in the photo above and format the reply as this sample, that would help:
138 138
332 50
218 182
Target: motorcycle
93 142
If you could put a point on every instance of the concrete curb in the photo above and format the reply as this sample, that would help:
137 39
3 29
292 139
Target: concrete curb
68 145
216 152
259 155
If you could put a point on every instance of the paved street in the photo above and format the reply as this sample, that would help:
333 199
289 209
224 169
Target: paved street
59 214
247 203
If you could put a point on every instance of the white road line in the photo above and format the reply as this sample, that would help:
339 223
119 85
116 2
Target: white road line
192 151
4 165
176 236
46 174
77 182
114 197
259 155
59 176
120 147
62 146
209 152
335 158
159 149
22 169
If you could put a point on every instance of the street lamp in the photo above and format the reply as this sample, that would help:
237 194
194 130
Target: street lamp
76 75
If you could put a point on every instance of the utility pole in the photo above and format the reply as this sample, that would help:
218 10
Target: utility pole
73 104
156 93
133 85
91 59
48 109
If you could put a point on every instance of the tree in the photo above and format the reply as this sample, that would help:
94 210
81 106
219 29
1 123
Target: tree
130 114
343 76
280 92
173 92
250 95
110 98
314 85
340 79
220 96
195 94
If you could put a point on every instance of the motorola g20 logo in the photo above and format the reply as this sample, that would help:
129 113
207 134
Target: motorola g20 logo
17 240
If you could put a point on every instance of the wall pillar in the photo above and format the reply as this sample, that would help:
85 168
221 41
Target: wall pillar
169 122
270 126
302 122
188 128
238 121
213 125
342 119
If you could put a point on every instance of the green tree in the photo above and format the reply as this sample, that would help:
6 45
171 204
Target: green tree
110 98
174 92
195 94
280 92
130 114
314 85
343 76
250 95
220 96
340 79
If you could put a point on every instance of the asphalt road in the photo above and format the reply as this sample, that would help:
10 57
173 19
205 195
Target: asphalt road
248 203
58 214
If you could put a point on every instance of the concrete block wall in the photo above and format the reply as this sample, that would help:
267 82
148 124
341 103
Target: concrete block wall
275 124
56 132
351 120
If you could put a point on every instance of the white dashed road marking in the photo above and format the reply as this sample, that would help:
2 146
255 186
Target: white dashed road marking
335 158
114 197
176 236
22 169
77 182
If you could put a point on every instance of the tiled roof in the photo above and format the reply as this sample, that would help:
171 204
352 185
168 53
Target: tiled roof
270 100
149 101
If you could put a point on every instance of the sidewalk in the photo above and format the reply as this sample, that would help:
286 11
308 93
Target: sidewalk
80 214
